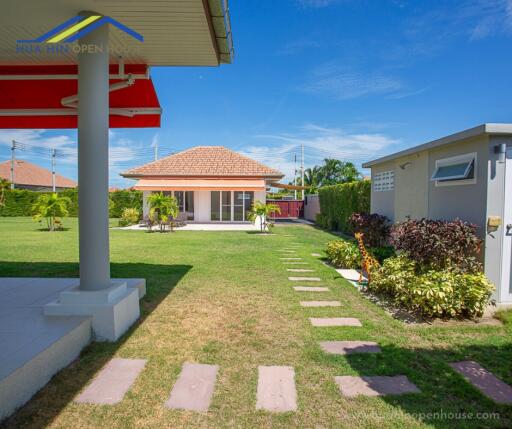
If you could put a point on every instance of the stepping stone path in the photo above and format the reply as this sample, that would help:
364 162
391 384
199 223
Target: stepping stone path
349 347
316 255
485 381
351 386
320 304
112 382
305 279
194 388
300 270
310 289
276 389
290 259
334 321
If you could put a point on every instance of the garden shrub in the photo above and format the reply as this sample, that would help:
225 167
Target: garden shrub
382 253
432 292
439 244
374 227
338 202
130 216
343 254
124 199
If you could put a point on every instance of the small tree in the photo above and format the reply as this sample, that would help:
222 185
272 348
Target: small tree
163 209
263 212
51 207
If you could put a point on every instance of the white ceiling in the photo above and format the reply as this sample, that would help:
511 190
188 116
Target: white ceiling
176 32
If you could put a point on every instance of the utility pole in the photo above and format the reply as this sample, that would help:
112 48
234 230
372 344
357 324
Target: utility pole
302 168
54 153
156 150
295 176
13 147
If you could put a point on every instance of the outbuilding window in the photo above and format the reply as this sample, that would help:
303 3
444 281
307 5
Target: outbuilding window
456 170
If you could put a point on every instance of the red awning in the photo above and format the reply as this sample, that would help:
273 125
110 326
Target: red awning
42 97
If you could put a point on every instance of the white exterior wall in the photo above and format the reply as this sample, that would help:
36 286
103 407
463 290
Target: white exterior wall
202 204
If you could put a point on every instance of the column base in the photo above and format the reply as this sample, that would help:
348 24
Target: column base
113 310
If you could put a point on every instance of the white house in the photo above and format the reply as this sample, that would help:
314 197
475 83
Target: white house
211 183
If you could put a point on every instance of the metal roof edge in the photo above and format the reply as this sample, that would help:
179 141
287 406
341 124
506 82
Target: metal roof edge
487 128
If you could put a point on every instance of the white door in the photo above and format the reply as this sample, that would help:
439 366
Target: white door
506 274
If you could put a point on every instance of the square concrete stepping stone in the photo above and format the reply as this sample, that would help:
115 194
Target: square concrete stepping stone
334 321
112 382
305 279
290 259
316 255
310 289
375 386
299 270
349 347
194 388
276 389
485 381
349 274
320 304
296 263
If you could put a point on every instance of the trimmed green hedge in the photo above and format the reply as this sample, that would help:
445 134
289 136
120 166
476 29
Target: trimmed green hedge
18 202
124 200
338 202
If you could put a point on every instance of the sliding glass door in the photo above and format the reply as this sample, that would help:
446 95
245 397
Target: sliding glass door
231 205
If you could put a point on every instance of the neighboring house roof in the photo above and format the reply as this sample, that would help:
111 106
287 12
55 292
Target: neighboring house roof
26 173
489 129
204 161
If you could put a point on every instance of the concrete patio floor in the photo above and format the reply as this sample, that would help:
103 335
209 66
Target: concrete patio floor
33 347
203 227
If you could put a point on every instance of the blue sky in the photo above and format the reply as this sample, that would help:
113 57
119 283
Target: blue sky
350 79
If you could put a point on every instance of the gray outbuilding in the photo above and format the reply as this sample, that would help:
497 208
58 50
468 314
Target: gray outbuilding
466 175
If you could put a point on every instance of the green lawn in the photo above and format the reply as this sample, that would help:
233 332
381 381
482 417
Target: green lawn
224 298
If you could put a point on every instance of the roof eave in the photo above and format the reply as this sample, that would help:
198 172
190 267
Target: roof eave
483 129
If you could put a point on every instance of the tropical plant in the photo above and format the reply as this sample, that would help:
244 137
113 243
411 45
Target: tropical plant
375 227
343 254
129 216
312 178
4 186
163 209
439 244
432 292
51 207
263 212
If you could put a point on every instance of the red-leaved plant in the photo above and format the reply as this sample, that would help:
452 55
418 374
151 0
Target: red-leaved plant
439 244
375 227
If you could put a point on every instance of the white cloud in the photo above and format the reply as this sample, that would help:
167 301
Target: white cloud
343 84
319 142
316 3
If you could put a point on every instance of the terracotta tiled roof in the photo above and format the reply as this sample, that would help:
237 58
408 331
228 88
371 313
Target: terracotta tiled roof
26 173
205 161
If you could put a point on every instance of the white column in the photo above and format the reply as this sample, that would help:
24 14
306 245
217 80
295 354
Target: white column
93 113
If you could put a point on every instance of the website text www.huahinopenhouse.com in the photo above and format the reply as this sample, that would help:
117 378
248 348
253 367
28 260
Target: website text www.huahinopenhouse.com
423 416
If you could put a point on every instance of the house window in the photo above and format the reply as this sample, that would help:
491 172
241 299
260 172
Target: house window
456 170
384 181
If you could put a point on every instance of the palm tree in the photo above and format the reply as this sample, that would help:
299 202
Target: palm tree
312 178
263 212
162 208
51 207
